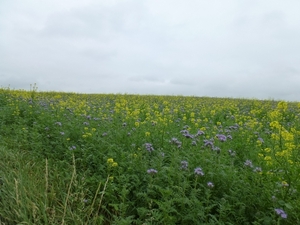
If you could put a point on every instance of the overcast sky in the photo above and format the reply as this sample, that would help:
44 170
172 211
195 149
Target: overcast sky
217 48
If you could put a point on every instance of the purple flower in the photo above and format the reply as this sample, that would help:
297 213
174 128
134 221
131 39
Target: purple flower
104 134
73 147
217 149
261 140
210 184
184 165
86 123
200 132
198 171
257 169
151 171
209 143
232 153
176 142
248 163
281 213
62 133
149 147
229 136
124 124
194 143
58 123
221 137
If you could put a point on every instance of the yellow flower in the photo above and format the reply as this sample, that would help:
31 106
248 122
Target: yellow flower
110 160
114 164
147 134
111 178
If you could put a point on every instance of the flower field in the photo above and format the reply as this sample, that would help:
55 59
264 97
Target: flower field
69 158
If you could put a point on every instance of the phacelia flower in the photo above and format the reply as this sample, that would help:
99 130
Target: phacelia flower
198 171
248 163
149 147
221 137
257 169
184 165
151 171
210 184
281 213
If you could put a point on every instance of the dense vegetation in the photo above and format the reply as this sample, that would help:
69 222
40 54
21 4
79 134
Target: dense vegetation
70 158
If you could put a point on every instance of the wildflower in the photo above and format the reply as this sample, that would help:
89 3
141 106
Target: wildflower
260 140
62 133
229 136
58 123
248 163
114 164
149 147
147 134
85 123
221 137
284 184
176 142
210 184
110 160
124 124
151 171
194 143
198 171
217 149
257 169
232 153
72 147
104 134
184 165
208 143
281 213
200 132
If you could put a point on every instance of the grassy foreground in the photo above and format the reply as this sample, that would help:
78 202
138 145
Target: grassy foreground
71 158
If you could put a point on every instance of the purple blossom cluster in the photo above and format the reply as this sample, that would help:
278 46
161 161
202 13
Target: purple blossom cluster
58 123
209 143
72 147
149 147
187 134
231 153
175 141
198 171
184 165
248 163
221 137
152 171
281 213
257 169
210 184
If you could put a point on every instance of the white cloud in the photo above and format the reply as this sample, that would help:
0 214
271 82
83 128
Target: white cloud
212 48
